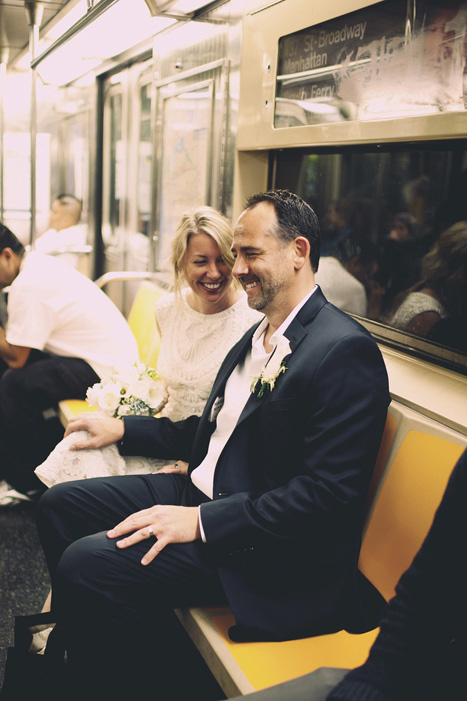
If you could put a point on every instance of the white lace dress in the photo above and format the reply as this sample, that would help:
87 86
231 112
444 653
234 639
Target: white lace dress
193 346
414 304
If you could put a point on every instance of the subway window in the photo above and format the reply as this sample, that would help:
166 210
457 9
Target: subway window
394 237
393 59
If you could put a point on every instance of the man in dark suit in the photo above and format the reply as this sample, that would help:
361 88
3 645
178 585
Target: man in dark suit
269 517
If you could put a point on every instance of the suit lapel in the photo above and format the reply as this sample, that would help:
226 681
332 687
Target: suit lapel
296 335
236 356
295 332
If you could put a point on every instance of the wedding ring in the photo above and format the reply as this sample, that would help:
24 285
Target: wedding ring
176 465
151 530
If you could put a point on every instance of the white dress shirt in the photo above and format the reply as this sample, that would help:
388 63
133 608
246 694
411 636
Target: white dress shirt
236 394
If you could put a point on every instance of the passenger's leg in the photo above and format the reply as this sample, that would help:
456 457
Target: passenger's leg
72 510
116 614
29 425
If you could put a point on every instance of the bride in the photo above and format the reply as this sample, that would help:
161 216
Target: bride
198 323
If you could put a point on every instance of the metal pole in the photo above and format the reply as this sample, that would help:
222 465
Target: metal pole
4 53
34 16
2 92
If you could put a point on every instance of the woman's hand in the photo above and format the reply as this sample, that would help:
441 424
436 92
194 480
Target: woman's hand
104 430
178 468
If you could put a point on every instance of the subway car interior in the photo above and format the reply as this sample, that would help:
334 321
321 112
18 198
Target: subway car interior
142 109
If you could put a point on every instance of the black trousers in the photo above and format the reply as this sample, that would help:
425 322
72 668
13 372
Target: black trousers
29 425
116 615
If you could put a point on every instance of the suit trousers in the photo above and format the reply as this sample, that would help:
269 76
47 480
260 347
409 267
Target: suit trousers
29 425
116 614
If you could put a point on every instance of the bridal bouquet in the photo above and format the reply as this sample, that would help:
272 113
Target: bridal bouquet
135 390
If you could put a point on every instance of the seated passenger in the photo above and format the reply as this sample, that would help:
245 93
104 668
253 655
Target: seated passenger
401 253
340 287
269 518
198 325
442 290
63 334
65 234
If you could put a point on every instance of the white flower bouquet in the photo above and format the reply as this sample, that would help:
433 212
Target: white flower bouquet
135 390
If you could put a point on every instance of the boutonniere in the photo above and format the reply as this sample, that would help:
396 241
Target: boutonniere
266 380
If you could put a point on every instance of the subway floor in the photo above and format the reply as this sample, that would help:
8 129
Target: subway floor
24 579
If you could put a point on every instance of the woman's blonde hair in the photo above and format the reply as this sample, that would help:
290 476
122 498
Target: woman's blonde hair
444 271
202 220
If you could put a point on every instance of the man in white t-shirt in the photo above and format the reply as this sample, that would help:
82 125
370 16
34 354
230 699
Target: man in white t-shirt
66 236
62 335
340 287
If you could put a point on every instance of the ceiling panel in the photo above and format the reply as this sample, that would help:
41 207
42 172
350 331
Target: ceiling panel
14 29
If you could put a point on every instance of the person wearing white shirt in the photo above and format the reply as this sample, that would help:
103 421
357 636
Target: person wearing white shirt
63 334
66 237
269 516
340 287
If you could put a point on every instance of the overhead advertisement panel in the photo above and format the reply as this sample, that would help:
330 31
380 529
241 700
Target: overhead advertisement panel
381 62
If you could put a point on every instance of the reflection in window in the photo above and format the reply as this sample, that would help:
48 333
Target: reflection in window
392 59
394 232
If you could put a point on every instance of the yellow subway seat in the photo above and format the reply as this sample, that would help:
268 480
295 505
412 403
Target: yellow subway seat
405 507
269 663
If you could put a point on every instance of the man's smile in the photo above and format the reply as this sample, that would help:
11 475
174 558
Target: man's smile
249 284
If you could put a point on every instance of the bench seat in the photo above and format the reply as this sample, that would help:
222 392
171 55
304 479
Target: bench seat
416 458
241 668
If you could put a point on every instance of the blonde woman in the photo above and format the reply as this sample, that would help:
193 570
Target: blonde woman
199 322
440 295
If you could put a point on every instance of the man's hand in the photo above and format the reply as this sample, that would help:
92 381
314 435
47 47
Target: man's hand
104 430
169 524
178 468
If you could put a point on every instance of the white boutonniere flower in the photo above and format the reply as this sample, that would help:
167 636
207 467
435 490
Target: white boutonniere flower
274 367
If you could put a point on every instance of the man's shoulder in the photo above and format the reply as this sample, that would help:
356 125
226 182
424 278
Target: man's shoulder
42 268
319 311
328 327
43 275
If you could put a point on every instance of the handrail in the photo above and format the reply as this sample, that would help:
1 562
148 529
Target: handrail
125 275
72 249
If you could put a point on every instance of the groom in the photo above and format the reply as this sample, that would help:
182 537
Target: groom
269 517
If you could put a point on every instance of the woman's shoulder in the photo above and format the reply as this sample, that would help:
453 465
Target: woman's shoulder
414 304
166 300
164 307
419 302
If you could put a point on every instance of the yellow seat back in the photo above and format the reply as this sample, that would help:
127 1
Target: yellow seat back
405 507
142 322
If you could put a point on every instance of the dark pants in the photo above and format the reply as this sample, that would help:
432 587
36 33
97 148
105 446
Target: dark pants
116 615
29 425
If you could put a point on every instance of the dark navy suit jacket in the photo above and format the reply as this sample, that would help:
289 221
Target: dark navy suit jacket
290 486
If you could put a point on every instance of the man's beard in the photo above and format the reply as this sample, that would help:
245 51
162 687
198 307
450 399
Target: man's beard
269 291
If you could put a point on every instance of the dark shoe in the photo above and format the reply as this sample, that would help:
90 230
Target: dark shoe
29 675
